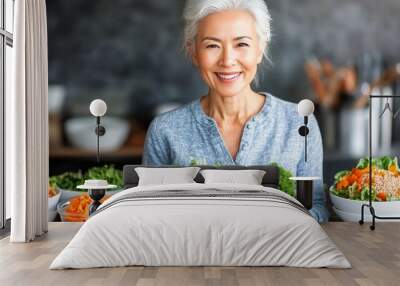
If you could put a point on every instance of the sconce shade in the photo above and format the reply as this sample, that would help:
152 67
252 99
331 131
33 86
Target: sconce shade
305 107
98 107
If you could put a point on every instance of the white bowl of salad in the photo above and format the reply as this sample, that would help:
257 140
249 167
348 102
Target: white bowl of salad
351 188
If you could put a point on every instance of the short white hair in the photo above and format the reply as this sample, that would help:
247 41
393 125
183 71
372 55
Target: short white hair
195 10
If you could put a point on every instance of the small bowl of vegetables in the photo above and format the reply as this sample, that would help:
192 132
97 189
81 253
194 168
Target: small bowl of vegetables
76 209
351 188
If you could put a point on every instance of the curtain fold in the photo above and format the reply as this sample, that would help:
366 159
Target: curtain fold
27 122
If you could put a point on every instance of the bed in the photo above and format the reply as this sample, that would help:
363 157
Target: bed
201 224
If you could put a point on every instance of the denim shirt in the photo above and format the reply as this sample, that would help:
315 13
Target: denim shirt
187 136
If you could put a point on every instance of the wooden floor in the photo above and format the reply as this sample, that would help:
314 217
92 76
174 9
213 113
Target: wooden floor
375 256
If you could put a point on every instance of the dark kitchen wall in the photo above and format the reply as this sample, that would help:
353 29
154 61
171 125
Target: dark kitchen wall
128 52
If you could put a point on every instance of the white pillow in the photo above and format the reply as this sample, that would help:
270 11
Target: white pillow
164 176
249 177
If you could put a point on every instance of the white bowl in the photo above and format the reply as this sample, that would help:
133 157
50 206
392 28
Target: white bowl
81 133
352 206
355 217
53 201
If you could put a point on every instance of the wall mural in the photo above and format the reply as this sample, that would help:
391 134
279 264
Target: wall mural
130 51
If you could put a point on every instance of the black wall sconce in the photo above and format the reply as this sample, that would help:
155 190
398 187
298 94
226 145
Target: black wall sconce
98 108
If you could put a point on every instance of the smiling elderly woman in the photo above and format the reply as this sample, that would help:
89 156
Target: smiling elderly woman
233 124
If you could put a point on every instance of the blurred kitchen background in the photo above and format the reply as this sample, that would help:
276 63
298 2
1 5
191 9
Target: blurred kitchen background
129 53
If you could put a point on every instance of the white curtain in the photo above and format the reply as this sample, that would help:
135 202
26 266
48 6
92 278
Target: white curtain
27 123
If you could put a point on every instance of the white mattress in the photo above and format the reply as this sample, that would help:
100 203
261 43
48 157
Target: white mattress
185 231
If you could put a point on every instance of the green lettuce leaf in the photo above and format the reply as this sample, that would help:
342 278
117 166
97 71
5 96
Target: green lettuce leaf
363 163
384 162
285 184
365 194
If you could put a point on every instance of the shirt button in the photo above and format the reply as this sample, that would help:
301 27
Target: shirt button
248 126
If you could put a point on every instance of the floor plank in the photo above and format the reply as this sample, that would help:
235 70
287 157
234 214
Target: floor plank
374 255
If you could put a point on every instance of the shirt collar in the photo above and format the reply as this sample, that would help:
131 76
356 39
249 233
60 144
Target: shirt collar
206 120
